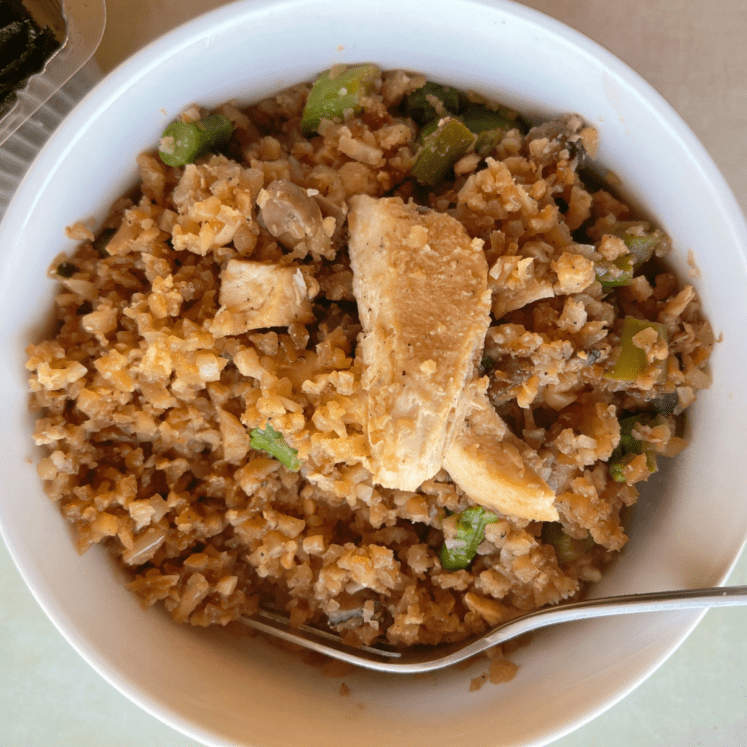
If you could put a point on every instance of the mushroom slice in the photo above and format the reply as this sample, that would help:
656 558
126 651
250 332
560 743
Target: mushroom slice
424 304
491 470
288 212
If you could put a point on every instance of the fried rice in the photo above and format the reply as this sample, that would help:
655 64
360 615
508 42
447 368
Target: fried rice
156 376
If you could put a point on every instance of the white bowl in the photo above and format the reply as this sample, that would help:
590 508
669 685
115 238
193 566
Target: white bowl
690 524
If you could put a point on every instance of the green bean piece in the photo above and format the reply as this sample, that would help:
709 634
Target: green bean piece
617 463
630 447
627 442
567 548
641 248
632 360
102 241
487 141
427 129
489 126
185 142
480 119
459 552
420 103
272 442
651 461
615 273
441 150
66 269
331 97
619 460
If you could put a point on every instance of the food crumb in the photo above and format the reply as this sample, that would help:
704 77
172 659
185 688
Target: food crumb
344 689
79 232
694 271
612 178
477 682
502 670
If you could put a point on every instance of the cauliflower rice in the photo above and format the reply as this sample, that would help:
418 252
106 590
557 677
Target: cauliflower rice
159 368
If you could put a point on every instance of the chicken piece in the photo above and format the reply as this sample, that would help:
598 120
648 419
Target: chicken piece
424 304
490 469
255 295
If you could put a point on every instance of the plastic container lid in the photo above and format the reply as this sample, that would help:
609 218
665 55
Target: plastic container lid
51 94
84 26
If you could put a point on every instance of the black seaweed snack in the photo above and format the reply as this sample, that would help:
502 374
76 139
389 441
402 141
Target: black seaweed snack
24 48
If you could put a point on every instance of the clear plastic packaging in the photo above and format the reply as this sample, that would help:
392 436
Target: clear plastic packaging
84 22
49 95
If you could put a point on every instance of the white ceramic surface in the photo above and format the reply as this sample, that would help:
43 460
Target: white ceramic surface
691 522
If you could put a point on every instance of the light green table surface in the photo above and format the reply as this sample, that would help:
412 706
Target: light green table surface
49 697
695 54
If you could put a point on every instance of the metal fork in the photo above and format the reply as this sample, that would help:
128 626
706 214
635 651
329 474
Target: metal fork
427 658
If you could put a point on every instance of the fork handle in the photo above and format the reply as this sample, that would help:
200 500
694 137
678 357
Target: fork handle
656 601
438 657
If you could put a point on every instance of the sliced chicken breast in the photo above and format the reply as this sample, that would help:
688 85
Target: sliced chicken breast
491 470
424 304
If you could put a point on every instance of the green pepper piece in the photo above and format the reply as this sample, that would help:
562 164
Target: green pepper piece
489 126
331 97
427 129
487 141
632 360
631 447
441 149
617 463
651 461
419 104
621 270
66 269
620 459
615 273
190 140
271 441
102 241
631 444
470 532
641 248
567 548
627 425
480 119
